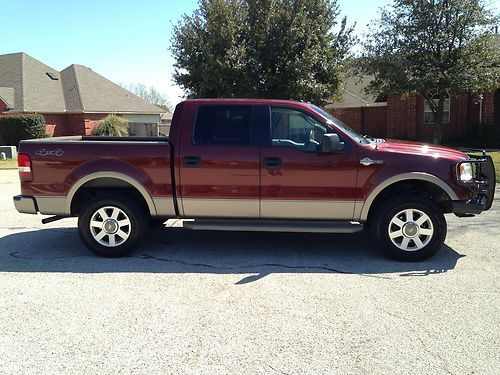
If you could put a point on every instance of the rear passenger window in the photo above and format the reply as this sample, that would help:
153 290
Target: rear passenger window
223 125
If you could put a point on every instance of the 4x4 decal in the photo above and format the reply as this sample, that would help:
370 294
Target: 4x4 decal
44 152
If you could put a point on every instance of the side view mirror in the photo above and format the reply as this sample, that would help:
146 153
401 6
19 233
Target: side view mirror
331 143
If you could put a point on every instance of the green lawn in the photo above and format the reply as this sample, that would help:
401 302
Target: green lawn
495 155
8 164
496 159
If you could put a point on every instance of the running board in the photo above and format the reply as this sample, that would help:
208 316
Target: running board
275 226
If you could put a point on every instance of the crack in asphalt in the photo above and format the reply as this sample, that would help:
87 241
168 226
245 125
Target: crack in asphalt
259 265
15 254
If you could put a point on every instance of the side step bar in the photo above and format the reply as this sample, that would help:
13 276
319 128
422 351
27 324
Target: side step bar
275 226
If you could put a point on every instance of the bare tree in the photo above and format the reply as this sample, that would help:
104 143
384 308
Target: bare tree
149 94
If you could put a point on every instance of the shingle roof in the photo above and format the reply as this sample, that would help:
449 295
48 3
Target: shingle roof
354 94
7 95
31 86
97 94
11 76
38 89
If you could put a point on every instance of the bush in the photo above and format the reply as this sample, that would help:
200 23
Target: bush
14 129
113 125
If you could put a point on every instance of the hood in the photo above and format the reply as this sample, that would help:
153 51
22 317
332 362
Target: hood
415 148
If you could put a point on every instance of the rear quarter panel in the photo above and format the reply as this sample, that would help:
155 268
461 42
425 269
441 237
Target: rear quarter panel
148 163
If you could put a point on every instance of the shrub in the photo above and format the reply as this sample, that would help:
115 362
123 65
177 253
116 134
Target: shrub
113 125
14 129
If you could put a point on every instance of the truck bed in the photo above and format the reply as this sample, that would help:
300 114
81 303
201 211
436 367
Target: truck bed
61 164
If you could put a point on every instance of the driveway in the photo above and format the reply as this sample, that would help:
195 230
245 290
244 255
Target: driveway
227 302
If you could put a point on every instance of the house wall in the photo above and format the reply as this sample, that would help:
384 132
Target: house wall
55 124
349 116
488 107
455 130
401 117
91 121
364 120
146 119
375 121
404 118
60 124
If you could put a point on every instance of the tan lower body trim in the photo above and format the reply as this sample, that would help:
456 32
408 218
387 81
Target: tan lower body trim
358 207
164 206
306 209
269 209
51 205
230 208
57 206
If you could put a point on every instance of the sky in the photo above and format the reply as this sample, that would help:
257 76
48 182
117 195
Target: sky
125 41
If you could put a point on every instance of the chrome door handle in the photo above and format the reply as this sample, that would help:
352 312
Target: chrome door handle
367 161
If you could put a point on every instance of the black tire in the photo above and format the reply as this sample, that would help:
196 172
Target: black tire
128 210
420 244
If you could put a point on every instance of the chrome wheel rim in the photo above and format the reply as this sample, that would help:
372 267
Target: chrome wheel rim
110 226
411 230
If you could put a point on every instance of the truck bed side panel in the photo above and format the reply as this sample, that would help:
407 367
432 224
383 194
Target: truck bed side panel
56 174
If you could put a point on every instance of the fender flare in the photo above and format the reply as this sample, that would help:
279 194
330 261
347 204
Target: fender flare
109 174
403 177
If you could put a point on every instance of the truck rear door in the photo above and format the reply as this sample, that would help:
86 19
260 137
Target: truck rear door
219 161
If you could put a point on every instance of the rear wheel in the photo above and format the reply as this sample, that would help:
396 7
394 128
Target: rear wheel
111 227
410 227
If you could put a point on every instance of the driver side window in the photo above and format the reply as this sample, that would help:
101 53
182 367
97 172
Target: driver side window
295 129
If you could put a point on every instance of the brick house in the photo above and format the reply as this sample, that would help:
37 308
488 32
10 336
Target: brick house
72 101
390 116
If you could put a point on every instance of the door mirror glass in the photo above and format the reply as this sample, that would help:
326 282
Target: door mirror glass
331 143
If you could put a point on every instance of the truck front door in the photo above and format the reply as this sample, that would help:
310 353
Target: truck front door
298 181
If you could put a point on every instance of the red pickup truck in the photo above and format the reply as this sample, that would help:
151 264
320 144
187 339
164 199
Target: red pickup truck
254 165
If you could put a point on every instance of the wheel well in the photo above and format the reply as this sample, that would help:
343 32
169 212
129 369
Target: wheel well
105 186
421 187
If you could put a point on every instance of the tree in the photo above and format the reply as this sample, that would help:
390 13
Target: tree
261 48
149 94
433 48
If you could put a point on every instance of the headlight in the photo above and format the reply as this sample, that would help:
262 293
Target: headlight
465 172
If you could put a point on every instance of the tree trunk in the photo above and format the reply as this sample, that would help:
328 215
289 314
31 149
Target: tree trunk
438 121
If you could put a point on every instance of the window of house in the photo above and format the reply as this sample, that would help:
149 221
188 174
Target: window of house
429 117
223 125
295 129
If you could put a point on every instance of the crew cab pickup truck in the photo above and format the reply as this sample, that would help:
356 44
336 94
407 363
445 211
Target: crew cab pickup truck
254 165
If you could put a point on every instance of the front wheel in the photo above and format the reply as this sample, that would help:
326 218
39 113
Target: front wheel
111 227
410 227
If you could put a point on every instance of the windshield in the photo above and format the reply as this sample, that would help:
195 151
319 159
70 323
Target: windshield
340 124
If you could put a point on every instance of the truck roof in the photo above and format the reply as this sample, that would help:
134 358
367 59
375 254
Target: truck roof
247 101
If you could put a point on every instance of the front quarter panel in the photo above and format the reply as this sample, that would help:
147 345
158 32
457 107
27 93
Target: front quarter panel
395 167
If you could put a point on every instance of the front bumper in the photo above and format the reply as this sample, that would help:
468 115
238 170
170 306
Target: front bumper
469 207
25 204
482 186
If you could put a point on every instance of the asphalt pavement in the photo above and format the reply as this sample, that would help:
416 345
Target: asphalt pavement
229 302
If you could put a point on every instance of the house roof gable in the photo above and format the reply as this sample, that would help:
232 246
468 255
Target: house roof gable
28 85
98 94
